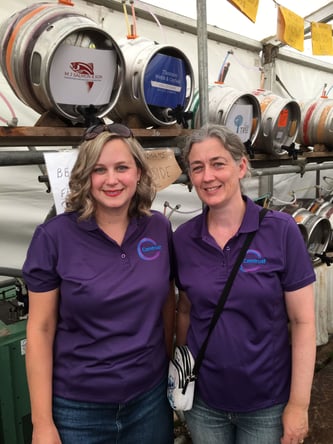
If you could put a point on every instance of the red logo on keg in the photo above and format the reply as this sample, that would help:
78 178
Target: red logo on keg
84 70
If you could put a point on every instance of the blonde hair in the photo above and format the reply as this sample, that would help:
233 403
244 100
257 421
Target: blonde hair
79 197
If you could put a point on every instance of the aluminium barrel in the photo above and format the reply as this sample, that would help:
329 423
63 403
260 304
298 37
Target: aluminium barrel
158 86
238 110
316 122
280 124
318 231
57 59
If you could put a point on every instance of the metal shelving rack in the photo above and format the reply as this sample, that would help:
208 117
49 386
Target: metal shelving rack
173 137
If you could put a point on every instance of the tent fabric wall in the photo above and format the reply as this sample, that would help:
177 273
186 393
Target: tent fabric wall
307 84
324 303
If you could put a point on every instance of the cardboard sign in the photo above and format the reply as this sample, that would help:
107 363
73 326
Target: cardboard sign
164 166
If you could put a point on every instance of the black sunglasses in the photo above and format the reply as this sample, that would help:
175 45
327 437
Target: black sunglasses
116 128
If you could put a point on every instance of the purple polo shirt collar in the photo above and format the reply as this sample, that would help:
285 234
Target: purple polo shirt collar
250 221
91 224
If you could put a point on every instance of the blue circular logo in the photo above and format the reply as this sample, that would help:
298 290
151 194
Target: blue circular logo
252 261
148 250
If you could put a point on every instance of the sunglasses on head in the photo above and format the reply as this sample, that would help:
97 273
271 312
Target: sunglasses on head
116 128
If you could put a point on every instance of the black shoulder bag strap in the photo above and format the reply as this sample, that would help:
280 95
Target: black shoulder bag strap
223 299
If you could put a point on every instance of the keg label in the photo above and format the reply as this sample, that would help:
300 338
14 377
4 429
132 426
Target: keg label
165 82
82 76
240 120
283 118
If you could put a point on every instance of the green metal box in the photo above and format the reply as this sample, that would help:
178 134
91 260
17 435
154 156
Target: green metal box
15 417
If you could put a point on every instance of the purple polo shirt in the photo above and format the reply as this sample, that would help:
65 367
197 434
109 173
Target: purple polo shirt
248 359
109 345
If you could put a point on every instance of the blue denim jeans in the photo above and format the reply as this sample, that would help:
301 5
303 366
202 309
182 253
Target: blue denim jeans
145 420
210 426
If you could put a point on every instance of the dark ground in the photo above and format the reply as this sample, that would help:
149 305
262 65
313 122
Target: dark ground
321 408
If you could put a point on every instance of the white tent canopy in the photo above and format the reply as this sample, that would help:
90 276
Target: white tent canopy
224 15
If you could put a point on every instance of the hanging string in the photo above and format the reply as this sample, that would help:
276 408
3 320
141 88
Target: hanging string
14 119
323 92
147 8
175 209
263 200
328 178
329 189
133 27
329 90
283 86
311 187
293 201
223 71
126 17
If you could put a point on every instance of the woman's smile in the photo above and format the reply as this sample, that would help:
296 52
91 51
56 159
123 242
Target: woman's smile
113 193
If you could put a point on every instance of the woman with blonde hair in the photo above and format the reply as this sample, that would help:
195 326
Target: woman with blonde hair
101 298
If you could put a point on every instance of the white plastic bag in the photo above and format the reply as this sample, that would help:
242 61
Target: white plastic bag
181 380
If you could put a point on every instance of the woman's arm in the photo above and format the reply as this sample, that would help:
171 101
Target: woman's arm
169 311
301 312
41 327
183 318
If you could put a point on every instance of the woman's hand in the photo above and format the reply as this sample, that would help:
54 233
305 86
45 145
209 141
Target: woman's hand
45 435
295 424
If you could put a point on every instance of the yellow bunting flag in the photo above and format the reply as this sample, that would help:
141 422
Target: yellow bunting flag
247 7
322 42
290 28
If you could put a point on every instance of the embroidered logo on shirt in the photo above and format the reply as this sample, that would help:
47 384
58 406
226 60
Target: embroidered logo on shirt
252 261
148 249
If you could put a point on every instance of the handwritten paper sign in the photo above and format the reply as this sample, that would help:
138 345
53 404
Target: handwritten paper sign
290 28
59 166
322 43
164 166
248 7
